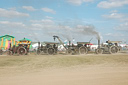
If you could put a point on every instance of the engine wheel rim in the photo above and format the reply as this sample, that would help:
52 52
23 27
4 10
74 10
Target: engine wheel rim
22 51
51 51
113 49
9 52
38 52
82 50
99 51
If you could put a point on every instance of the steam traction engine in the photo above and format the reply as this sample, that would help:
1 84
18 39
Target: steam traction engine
49 48
83 47
22 48
80 48
110 47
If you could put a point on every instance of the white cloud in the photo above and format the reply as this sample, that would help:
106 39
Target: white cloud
114 11
49 10
47 21
49 17
108 34
114 16
42 24
37 26
124 19
11 13
12 24
43 21
78 2
29 8
49 28
112 3
13 8
115 34
123 26
75 2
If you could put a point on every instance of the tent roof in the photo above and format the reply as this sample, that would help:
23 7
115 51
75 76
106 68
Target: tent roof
7 36
51 42
83 42
25 39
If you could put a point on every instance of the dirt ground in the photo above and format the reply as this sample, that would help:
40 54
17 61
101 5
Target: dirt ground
90 69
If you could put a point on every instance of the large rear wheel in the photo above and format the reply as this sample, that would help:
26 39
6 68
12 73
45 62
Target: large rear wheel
99 51
22 51
83 50
51 51
113 49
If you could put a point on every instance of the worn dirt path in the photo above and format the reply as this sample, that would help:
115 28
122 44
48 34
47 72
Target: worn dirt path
89 75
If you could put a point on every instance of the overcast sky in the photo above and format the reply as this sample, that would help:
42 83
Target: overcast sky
39 20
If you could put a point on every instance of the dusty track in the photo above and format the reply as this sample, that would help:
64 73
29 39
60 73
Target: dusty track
110 70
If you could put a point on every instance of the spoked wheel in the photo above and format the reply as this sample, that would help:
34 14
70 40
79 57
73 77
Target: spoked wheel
69 51
99 51
9 52
51 51
82 50
1 52
22 51
113 49
38 52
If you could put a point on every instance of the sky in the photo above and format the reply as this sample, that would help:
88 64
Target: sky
75 20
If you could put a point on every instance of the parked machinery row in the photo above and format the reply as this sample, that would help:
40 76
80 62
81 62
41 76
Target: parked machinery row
50 48
84 47
80 48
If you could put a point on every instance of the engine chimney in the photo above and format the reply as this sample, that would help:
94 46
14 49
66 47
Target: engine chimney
69 43
38 45
98 43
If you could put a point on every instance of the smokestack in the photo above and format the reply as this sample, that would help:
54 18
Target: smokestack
69 43
38 45
88 30
98 43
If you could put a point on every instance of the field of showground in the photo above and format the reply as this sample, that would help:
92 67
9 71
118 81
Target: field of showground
90 69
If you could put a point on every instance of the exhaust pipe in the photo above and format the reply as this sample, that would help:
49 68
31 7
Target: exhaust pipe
38 45
98 43
69 43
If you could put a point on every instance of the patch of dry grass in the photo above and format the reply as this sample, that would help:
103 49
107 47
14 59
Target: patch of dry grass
46 61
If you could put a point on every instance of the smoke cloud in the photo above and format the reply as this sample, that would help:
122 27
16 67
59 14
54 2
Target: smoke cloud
66 32
62 31
88 30
69 32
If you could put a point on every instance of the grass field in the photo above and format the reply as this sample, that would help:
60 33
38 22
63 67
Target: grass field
31 65
37 62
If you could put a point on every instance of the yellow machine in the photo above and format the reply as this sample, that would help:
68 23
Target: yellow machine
21 48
